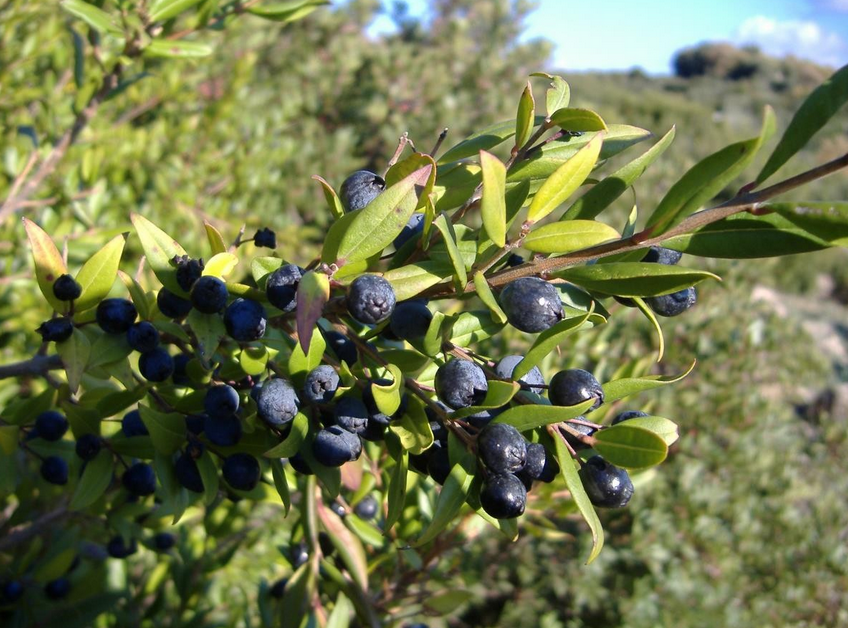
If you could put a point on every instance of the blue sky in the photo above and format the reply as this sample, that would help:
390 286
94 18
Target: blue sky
622 34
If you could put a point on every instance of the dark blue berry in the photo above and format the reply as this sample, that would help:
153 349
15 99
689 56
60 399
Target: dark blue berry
140 479
277 403
180 377
411 320
187 473
163 541
116 316
502 448
55 470
194 423
241 471
11 591
132 425
351 414
299 464
359 189
606 485
438 462
245 320
171 305
337 508
342 346
532 379
334 446
531 304
57 589
51 425
56 329
573 386
143 337
188 272
118 548
278 589
673 304
88 446
281 287
366 508
626 416
503 496
662 255
266 238
221 401
321 384
222 431
413 229
370 299
461 383
209 295
156 365
576 443
65 288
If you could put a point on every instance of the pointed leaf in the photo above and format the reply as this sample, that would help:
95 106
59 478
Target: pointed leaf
313 292
167 430
91 15
493 205
95 479
639 279
49 264
413 428
280 483
387 396
216 240
347 545
621 388
209 330
142 302
409 281
565 237
74 352
220 265
452 496
160 249
333 200
558 94
486 139
474 326
446 229
578 120
209 477
98 274
166 9
484 291
827 221
530 416
525 116
565 181
397 490
629 446
499 394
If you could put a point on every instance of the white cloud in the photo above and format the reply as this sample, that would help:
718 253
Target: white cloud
801 38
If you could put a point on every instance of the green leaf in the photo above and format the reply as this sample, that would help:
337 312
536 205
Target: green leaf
347 545
565 237
484 292
498 395
74 352
56 566
9 435
397 490
493 204
98 274
216 240
261 267
431 344
301 363
565 180
824 220
95 479
220 265
474 326
411 280
177 49
448 601
291 444
652 318
209 330
142 303
284 12
91 15
253 359
280 483
629 446
295 600
604 193
558 94
160 249
546 342
634 279
744 236
707 178
456 258
167 430
452 496
413 428
819 107
578 120
387 396
530 416
662 427
367 532
21 410
569 473
621 388
174 495
374 227
543 162
486 139
162 10
49 264
333 200
525 116
340 615
330 477
114 403
209 477
82 420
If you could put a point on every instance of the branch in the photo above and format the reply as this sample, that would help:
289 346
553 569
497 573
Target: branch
38 365
20 534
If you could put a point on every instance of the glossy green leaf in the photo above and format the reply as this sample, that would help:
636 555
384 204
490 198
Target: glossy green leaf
291 443
301 363
451 498
707 178
141 300
209 330
819 107
558 94
74 352
578 120
93 16
368 533
525 116
825 221
160 249
630 446
431 344
652 318
261 267
639 279
334 203
117 402
411 280
530 416
387 396
49 264
621 388
253 359
564 181
9 435
177 49
484 291
347 545
98 274
569 473
374 227
284 12
486 139
493 204
341 613
397 490
295 603
215 239
662 427
413 428
499 394
167 430
166 9
546 342
473 326
446 229
542 163
220 265
57 565
280 483
174 495
566 237
610 188
209 477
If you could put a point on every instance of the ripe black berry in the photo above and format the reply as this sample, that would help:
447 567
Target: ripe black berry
57 589
277 402
163 541
334 446
65 288
673 304
188 271
139 479
410 320
503 496
245 320
241 471
223 431
266 238
573 386
370 299
531 304
156 365
438 462
533 379
606 485
662 255
221 401
359 189
55 470
11 591
115 316
461 383
342 346
321 384
132 425
281 287
626 416
299 464
278 589
351 414
56 330
502 448
51 425
194 423
188 474
143 337
118 548
180 376
171 305
88 446
366 508
209 295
